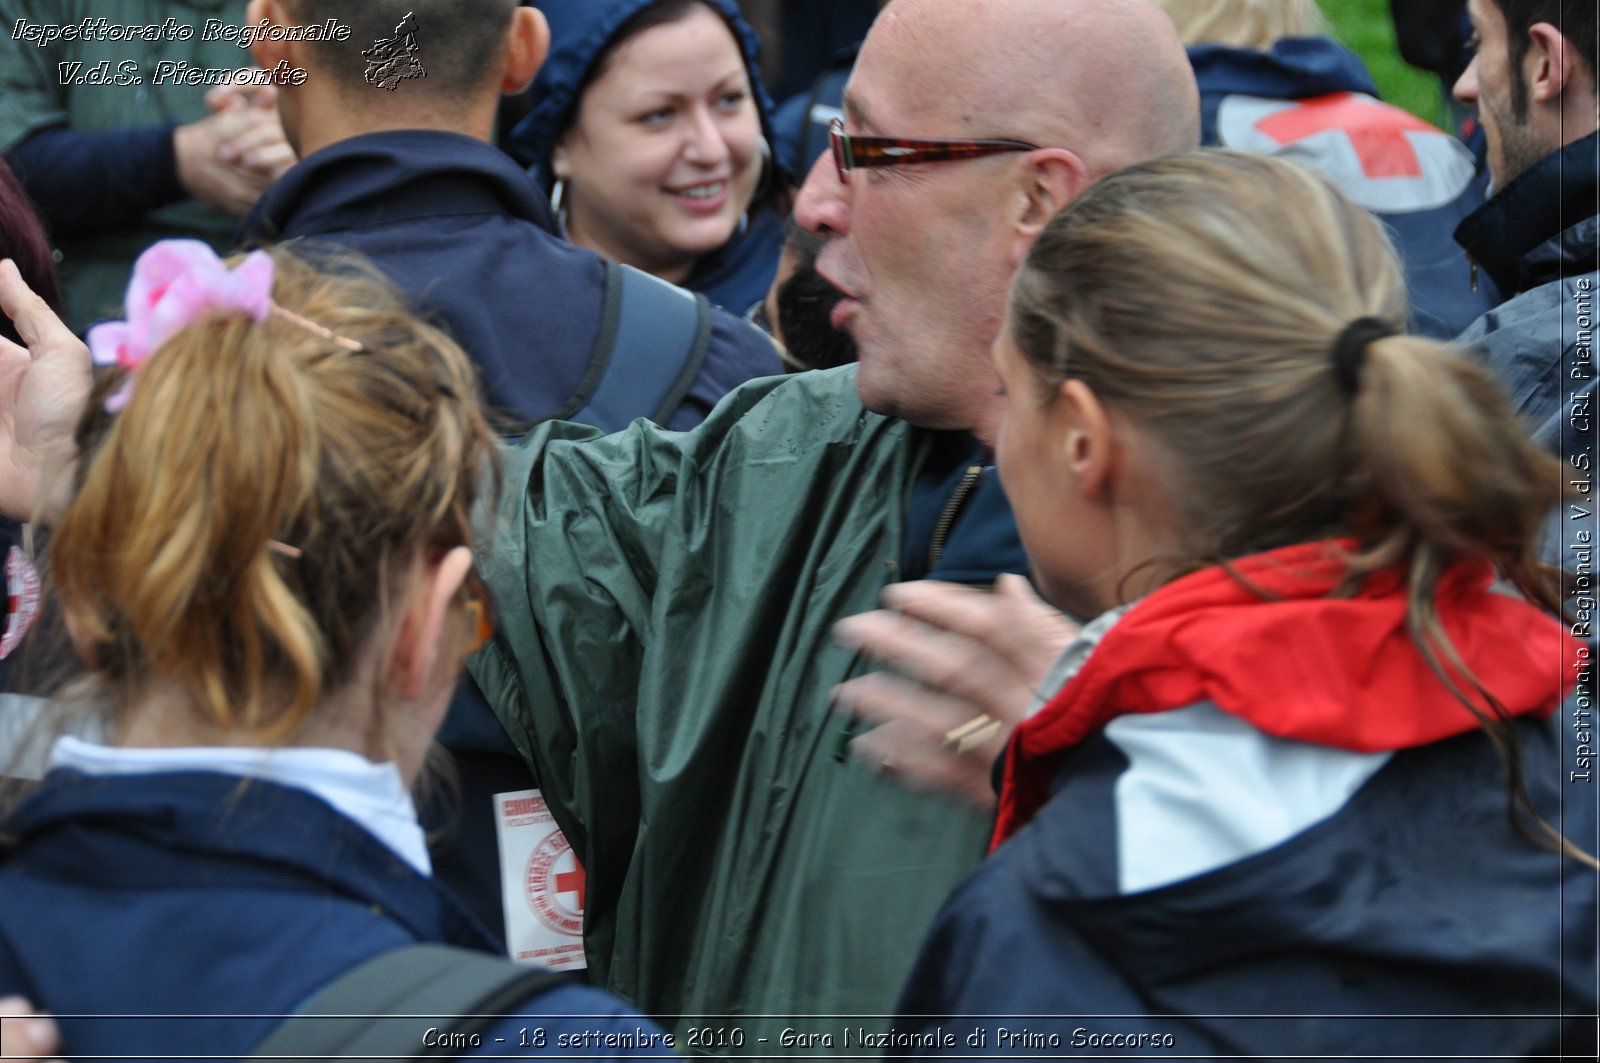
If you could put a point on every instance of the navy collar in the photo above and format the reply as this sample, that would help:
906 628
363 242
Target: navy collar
380 178
170 827
957 485
1549 198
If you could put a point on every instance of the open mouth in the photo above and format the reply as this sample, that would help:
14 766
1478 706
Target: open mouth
708 190
844 308
841 290
707 197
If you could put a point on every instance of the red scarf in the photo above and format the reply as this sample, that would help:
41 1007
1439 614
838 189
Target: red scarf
1341 672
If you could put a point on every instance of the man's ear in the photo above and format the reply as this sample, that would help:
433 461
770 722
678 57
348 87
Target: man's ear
1051 178
1088 438
268 53
414 660
529 44
1551 67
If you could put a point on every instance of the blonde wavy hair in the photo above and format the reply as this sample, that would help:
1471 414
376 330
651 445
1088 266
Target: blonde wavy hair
238 528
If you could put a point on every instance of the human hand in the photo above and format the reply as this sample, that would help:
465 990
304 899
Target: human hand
229 158
260 146
220 98
260 149
966 665
25 1034
43 388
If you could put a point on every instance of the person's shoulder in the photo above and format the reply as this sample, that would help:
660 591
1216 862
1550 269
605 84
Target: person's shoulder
823 399
737 275
738 351
571 1019
1535 315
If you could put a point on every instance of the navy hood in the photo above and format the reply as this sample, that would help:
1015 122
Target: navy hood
579 33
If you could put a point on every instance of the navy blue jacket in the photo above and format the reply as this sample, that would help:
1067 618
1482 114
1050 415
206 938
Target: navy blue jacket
1251 822
223 903
466 236
981 542
1413 921
738 274
1421 181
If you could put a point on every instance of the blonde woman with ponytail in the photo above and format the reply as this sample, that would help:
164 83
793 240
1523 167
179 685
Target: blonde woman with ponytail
263 554
1312 766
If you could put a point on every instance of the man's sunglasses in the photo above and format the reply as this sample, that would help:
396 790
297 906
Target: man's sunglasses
860 152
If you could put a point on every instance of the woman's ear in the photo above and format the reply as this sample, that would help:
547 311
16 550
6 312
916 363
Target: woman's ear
414 661
82 644
1088 439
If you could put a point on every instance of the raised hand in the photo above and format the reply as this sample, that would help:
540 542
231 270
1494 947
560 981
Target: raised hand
43 388
965 665
230 157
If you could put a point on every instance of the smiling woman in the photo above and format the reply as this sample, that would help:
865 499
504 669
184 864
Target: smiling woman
649 131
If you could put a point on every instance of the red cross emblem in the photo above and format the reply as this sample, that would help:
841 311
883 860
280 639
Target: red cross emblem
1376 130
573 881
22 604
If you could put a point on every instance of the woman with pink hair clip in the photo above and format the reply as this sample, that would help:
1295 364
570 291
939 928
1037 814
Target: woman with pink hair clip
263 553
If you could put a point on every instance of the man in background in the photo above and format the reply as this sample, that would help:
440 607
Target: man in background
1538 236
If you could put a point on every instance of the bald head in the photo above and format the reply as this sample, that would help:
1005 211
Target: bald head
1108 79
925 253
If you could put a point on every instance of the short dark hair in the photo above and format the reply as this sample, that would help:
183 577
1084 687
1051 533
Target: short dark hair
459 42
1578 21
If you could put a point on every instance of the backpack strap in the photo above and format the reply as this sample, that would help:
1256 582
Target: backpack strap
653 339
379 1009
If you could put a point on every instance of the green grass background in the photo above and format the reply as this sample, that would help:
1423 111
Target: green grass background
1364 26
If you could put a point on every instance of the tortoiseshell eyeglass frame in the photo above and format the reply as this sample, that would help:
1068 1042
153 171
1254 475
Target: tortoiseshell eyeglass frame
862 152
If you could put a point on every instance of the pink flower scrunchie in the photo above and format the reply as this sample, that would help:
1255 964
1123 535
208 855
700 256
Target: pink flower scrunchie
176 283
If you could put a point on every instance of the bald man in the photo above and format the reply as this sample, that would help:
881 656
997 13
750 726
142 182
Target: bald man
923 251
663 656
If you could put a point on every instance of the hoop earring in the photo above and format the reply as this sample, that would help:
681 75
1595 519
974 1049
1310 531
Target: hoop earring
558 195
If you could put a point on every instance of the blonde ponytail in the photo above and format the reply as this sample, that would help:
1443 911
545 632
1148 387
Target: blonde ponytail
237 527
1245 314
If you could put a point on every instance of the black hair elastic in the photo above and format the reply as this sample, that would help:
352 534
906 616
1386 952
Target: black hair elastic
1350 349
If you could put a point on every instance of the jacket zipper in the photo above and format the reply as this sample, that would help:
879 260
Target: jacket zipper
958 498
